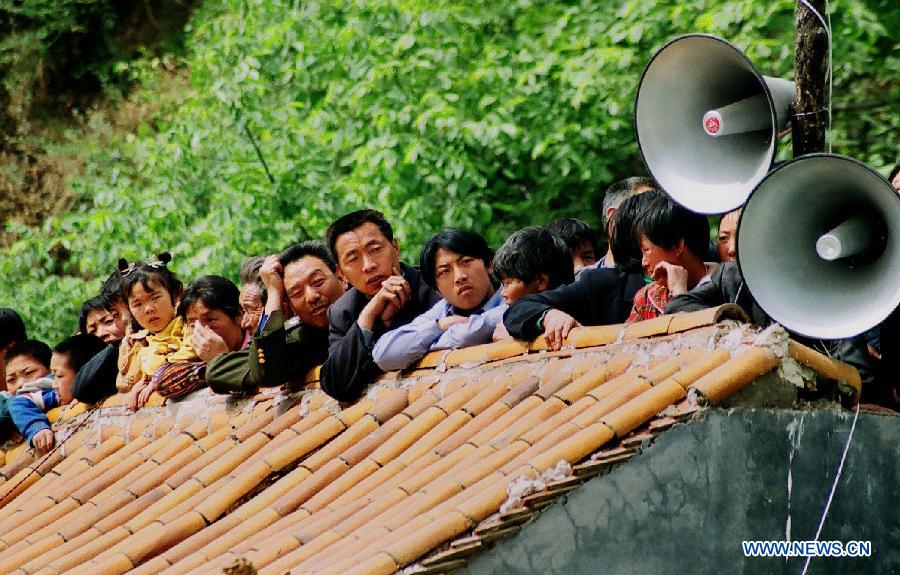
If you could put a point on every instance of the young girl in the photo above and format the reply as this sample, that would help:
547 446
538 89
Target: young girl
152 293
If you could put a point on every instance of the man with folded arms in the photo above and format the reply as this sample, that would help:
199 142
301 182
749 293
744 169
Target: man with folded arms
457 263
385 294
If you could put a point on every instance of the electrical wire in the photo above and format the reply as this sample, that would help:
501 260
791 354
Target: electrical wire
837 477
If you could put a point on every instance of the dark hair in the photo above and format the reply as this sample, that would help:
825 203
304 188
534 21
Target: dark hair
36 350
460 242
157 271
314 248
215 292
531 251
620 191
111 290
894 172
250 270
573 232
664 222
12 328
623 241
353 220
79 349
93 304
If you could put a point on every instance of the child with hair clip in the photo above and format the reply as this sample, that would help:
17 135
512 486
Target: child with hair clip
152 293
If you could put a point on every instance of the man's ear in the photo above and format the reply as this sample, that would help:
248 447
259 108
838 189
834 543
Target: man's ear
679 247
340 276
543 281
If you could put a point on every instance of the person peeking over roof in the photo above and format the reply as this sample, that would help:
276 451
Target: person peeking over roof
601 296
106 316
12 331
28 409
530 261
252 290
385 294
27 370
726 242
673 242
301 284
211 311
98 318
457 263
153 293
615 194
580 238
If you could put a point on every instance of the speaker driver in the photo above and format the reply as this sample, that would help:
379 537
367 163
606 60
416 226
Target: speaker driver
707 122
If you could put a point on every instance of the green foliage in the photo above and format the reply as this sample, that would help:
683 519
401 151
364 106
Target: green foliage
60 53
488 116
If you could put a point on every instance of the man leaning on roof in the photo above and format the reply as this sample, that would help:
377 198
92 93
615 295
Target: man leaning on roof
385 294
292 337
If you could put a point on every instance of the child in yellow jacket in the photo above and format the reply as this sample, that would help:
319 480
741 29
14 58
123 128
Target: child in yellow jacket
152 293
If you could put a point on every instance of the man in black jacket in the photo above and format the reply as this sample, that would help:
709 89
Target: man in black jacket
385 294
601 296
96 380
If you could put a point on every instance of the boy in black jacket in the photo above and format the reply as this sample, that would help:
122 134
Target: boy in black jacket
599 296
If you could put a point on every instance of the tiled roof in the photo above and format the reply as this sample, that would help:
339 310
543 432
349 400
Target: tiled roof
425 458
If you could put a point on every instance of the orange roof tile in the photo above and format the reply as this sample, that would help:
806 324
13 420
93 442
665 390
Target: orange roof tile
294 481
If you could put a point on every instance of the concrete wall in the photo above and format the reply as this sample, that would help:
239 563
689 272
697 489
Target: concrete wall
685 504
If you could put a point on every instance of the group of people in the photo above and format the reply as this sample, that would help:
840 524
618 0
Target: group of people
350 304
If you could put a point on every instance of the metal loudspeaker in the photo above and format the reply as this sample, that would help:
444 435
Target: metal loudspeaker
707 122
818 244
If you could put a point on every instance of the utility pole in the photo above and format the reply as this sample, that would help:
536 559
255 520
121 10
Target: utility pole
810 79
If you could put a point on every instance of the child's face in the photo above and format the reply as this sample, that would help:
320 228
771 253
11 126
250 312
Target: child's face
65 377
152 306
583 256
22 369
515 289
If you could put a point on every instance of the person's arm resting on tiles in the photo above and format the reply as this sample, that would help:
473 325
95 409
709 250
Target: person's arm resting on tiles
457 263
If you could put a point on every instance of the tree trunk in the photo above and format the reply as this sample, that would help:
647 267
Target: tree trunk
810 115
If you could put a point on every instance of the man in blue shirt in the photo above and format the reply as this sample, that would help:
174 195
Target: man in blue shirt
457 264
